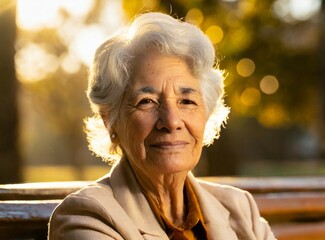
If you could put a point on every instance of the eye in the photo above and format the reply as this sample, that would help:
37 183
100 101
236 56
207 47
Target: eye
146 103
187 102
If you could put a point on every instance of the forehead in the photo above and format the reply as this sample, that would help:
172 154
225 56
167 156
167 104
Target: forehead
153 70
154 61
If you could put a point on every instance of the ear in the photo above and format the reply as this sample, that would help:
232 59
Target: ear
104 117
111 130
114 138
113 135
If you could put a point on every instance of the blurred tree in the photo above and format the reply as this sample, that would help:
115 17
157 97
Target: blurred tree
263 51
57 94
10 171
321 57
61 101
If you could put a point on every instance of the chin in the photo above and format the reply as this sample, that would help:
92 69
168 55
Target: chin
172 166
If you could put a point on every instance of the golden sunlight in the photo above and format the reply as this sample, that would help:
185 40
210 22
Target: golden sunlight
67 20
86 42
33 63
34 14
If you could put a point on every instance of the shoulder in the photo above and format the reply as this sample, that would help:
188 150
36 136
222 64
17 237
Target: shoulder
84 209
225 193
239 203
91 196
243 211
86 199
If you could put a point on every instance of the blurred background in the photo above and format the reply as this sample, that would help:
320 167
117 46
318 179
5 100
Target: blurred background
273 52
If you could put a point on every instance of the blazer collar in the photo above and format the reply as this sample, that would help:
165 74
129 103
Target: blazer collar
215 215
129 195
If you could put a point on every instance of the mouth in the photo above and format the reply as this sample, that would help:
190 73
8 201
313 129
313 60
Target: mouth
169 145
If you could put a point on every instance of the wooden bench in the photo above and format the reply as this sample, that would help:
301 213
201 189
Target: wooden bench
294 206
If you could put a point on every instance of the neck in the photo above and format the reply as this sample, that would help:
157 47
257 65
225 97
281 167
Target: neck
167 190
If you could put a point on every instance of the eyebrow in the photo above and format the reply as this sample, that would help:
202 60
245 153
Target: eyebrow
187 90
147 89
151 90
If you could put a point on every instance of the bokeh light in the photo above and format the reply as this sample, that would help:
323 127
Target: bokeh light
296 10
194 16
69 63
246 7
86 42
250 97
269 84
34 62
35 15
245 67
214 33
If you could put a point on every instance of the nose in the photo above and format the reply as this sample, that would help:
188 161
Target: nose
169 118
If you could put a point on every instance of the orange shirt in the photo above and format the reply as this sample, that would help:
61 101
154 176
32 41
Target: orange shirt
193 228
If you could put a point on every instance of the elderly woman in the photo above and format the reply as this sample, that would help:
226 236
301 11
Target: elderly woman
157 100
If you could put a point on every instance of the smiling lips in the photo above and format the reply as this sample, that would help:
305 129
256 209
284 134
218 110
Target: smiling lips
169 145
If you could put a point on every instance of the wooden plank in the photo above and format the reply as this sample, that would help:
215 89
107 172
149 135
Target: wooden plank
273 184
39 191
300 231
301 205
21 211
25 219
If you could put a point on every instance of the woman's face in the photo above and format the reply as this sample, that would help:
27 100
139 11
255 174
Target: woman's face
162 119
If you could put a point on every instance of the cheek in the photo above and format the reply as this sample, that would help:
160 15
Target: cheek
197 127
142 124
134 129
197 131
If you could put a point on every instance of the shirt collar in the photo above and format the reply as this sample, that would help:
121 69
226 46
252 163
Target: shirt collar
194 215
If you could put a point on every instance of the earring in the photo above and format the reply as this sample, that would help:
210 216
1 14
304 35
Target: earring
113 136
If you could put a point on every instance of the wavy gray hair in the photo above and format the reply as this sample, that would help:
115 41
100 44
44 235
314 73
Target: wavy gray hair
111 73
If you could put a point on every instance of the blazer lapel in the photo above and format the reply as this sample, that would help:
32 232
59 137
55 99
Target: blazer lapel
128 194
215 215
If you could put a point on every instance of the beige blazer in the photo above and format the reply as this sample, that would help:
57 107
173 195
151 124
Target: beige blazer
115 208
